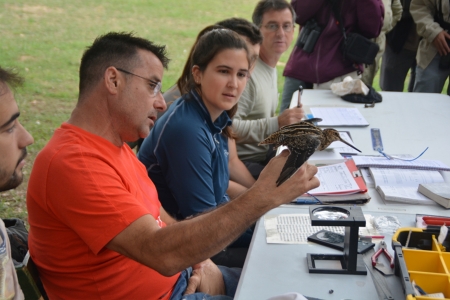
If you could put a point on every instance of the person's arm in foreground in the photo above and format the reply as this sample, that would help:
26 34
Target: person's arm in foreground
206 276
173 248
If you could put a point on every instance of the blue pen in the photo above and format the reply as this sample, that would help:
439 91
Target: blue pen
315 198
305 201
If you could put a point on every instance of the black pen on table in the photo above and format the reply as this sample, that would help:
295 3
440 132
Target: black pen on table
300 92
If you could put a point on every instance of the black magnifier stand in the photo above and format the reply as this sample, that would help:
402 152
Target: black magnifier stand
352 218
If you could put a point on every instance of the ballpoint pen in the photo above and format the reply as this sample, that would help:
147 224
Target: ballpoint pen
300 92
305 201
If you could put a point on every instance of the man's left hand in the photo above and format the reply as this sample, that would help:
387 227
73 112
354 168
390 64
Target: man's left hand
206 278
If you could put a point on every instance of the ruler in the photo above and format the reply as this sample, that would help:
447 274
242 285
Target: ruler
377 144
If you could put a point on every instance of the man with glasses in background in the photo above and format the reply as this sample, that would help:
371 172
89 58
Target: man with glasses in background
255 118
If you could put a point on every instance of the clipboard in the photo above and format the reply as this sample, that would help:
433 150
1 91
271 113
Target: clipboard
339 180
356 175
359 197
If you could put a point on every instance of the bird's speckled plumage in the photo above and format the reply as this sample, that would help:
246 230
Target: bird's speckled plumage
302 139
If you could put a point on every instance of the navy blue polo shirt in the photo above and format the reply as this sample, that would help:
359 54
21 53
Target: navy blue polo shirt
186 156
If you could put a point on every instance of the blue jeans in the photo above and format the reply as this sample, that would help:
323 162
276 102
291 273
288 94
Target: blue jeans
395 67
431 79
230 277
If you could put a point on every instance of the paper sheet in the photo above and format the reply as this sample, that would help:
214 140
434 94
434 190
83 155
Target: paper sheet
339 116
335 179
295 228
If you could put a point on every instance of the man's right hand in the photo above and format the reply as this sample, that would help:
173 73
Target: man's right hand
440 42
291 116
301 182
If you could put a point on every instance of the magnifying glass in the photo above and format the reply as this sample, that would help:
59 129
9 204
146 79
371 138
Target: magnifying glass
331 213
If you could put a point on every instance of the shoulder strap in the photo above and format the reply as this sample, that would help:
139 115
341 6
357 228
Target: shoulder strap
337 14
439 18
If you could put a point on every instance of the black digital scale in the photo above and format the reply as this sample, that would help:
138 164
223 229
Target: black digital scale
352 218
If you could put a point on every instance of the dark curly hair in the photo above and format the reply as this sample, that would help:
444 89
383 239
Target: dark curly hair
9 78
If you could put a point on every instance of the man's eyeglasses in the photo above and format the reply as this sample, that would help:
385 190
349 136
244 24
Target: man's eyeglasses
253 59
155 85
288 27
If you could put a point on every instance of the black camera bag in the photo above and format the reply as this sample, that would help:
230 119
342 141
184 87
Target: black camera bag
359 49
18 237
355 47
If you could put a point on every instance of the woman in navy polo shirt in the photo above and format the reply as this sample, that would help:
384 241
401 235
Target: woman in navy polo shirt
186 153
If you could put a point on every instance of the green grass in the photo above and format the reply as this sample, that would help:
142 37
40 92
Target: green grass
44 41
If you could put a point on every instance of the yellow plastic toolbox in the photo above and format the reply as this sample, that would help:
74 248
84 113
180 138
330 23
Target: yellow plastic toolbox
420 258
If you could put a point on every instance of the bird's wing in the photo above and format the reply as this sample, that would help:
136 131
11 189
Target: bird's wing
301 124
285 133
298 157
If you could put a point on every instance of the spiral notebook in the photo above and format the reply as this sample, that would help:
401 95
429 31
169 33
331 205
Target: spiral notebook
383 162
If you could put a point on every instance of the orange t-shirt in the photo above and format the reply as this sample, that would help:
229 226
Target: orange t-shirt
83 191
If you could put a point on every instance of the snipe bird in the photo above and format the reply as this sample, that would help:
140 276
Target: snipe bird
302 140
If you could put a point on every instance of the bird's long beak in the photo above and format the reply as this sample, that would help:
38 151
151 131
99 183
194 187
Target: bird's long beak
350 145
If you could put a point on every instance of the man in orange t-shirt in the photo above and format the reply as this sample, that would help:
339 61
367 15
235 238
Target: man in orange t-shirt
97 229
74 165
